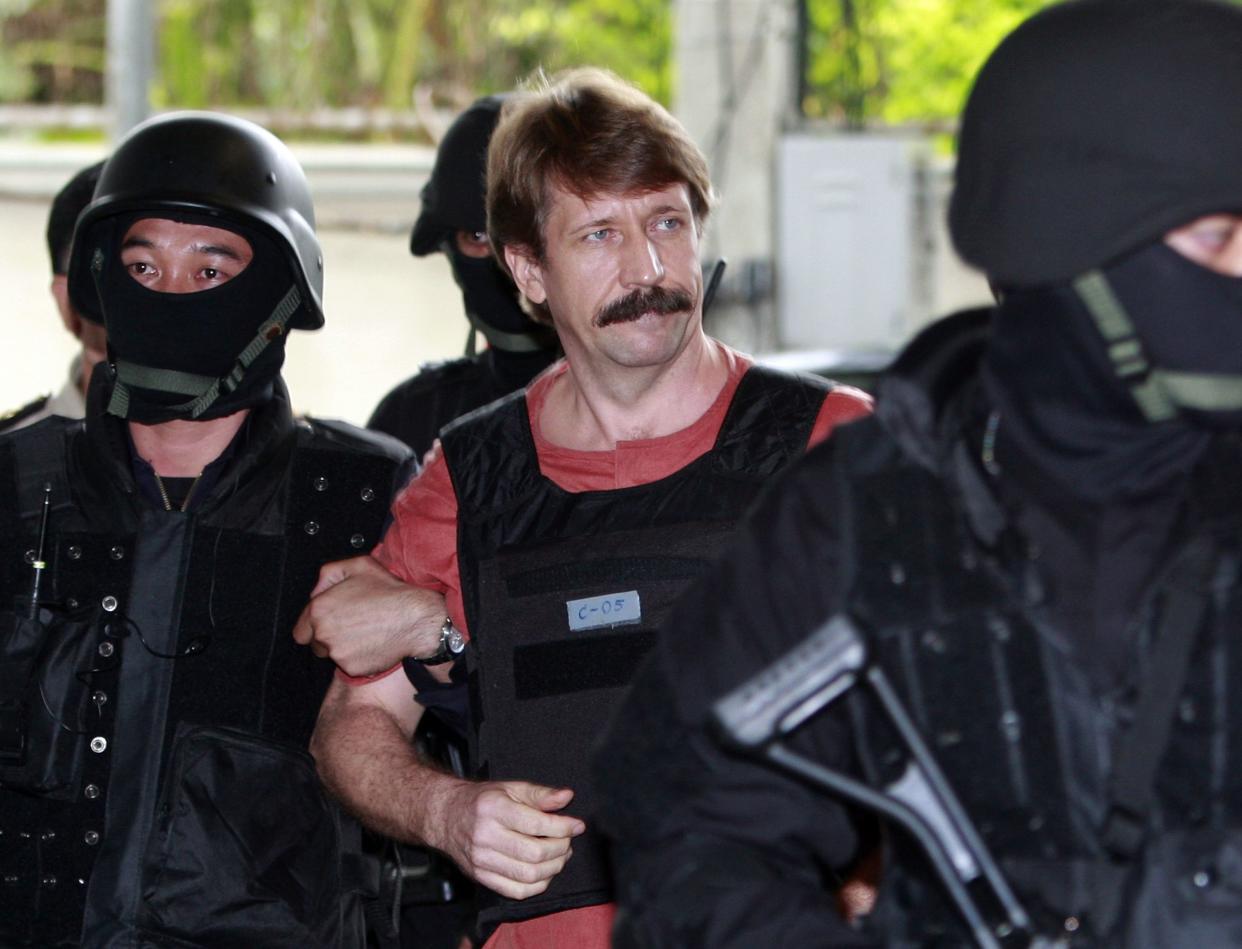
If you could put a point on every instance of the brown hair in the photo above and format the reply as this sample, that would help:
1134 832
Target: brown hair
589 132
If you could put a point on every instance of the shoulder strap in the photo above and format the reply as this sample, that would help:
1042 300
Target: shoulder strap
10 421
491 455
1141 748
769 421
39 454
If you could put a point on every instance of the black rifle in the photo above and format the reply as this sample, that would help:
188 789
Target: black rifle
802 683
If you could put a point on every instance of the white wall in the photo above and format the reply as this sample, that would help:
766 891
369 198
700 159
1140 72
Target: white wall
387 311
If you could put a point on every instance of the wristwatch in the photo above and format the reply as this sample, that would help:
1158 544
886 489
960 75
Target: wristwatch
452 645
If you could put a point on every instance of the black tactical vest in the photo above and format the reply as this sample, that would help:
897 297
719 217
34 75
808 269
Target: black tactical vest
154 716
564 591
1026 741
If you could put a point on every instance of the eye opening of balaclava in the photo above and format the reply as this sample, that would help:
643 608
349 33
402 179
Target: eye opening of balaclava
199 355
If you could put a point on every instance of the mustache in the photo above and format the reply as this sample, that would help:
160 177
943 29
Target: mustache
630 307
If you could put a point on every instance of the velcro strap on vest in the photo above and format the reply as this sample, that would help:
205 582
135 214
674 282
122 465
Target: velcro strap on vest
563 668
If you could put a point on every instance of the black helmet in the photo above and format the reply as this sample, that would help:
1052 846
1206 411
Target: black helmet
215 165
69 202
1093 129
453 198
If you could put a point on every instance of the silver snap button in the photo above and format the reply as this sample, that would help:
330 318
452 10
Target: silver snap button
356 541
321 483
75 552
29 556
99 744
109 603
91 837
1011 725
367 494
1187 711
117 553
92 792
106 649
311 527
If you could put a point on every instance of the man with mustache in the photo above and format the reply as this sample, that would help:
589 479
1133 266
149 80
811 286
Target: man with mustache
1035 542
559 524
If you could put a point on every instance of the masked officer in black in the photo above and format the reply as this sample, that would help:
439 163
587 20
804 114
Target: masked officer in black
154 712
454 220
1037 538
70 399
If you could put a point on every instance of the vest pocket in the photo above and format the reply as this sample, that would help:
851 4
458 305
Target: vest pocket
46 669
245 849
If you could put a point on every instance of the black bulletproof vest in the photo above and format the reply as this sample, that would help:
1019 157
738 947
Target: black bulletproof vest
564 591
1024 738
148 785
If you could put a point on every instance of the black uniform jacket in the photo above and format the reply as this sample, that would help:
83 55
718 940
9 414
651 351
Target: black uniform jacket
154 711
895 522
419 407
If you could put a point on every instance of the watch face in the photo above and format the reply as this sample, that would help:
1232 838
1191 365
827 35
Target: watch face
456 642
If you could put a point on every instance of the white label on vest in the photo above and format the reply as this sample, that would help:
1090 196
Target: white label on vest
614 609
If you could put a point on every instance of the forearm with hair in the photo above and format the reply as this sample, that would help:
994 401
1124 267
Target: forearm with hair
366 760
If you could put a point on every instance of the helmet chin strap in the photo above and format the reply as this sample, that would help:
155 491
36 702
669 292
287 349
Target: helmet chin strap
533 340
205 390
1159 393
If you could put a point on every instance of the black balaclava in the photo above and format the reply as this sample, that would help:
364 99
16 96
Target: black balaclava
1061 406
1095 128
493 304
454 200
197 355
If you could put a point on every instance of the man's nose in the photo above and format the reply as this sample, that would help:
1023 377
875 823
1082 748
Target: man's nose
641 265
176 280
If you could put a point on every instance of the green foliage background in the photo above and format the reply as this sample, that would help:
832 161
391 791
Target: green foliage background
313 53
867 61
372 52
900 61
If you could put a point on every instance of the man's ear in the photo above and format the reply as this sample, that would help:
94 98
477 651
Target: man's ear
527 272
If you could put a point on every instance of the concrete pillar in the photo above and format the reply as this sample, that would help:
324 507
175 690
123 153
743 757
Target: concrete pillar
130 63
735 90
